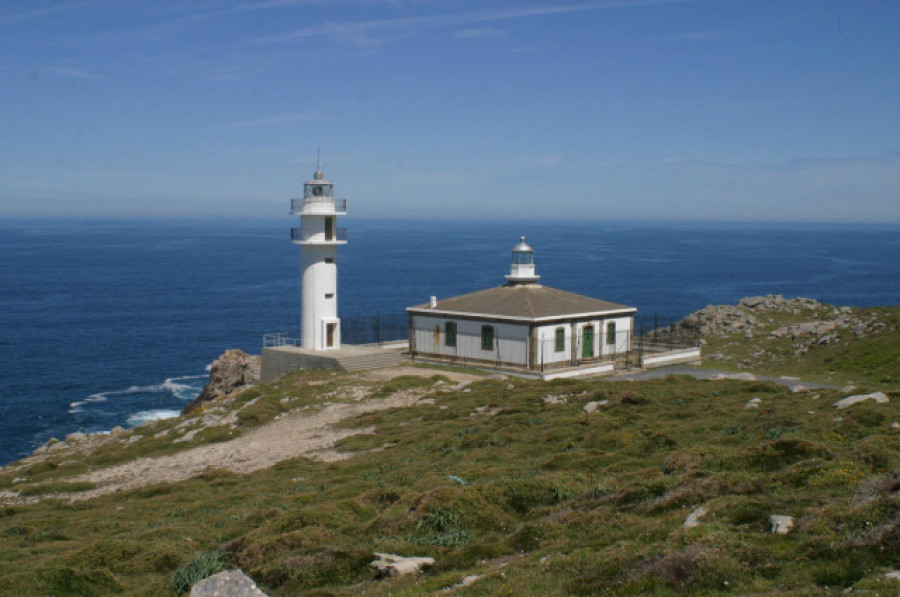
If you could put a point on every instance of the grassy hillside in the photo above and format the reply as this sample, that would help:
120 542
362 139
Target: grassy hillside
843 345
505 479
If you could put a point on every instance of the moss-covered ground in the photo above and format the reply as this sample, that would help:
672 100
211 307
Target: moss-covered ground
492 480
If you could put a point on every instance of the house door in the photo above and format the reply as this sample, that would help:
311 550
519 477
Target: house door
587 342
329 334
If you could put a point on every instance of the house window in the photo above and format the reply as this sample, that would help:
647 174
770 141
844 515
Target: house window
611 332
450 334
560 339
487 337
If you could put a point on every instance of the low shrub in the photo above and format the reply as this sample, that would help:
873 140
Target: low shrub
204 565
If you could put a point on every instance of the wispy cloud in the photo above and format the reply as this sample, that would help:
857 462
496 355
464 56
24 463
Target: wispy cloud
368 30
267 4
70 72
478 32
689 36
273 120
48 11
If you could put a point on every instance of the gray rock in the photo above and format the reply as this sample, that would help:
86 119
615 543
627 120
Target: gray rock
592 406
879 397
781 525
694 517
233 370
389 564
230 583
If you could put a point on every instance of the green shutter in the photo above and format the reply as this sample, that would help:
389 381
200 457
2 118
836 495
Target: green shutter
450 334
487 337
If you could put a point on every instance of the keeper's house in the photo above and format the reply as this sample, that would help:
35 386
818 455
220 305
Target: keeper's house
523 326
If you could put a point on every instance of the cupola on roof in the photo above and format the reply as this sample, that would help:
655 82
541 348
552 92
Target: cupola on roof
522 247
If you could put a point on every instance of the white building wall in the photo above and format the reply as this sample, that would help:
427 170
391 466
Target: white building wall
510 340
622 341
546 354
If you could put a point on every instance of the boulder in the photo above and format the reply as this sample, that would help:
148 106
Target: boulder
389 564
879 397
694 517
781 525
592 406
230 583
234 369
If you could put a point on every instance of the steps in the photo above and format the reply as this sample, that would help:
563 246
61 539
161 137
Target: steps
374 360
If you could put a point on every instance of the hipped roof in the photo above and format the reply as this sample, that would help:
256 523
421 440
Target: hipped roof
529 302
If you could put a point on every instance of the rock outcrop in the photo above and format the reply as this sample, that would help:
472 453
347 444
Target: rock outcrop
230 583
233 370
770 320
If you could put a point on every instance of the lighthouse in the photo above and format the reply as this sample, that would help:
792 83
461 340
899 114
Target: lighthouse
319 238
521 270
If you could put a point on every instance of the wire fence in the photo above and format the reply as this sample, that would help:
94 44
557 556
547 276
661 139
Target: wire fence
376 329
655 334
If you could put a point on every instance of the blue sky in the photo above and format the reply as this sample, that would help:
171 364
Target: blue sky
739 110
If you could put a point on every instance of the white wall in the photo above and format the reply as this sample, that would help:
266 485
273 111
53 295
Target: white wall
510 340
622 342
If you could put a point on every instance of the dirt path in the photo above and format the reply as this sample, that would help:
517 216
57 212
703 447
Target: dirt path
297 433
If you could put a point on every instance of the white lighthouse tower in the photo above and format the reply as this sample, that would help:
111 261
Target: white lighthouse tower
319 238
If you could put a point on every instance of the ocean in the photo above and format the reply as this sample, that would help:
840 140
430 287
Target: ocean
106 323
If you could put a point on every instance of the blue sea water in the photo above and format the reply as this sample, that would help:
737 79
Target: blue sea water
106 323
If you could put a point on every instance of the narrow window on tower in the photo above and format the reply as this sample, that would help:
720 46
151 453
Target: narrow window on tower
329 260
450 334
487 337
329 295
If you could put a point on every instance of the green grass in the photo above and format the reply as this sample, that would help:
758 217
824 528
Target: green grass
873 360
552 501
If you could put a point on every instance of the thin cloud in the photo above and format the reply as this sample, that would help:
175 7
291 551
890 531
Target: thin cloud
478 32
267 4
689 36
50 10
285 119
366 29
69 72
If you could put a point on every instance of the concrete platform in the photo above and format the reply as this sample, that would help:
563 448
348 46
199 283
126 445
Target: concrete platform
280 360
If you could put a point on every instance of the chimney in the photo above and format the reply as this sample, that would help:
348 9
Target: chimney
432 304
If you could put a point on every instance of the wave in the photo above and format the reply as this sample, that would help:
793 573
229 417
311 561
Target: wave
151 415
172 385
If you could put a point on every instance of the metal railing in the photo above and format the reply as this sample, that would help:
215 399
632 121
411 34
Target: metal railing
297 205
377 329
279 339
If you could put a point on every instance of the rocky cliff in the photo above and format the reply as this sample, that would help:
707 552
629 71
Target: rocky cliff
770 330
233 370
